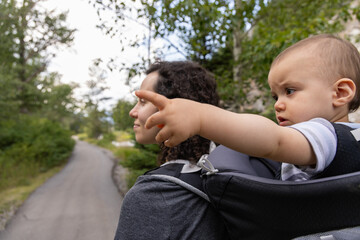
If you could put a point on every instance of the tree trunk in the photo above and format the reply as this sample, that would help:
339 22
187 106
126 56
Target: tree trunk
22 63
237 50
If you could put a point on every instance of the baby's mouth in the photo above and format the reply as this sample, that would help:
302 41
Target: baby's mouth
282 121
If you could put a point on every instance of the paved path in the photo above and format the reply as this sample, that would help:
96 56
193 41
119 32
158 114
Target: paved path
81 202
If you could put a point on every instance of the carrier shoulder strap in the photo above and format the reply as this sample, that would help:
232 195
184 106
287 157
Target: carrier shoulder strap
347 157
192 181
227 160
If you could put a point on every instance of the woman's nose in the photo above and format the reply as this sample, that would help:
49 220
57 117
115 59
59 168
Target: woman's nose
133 112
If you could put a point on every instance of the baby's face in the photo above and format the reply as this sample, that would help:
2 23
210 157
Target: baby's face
300 90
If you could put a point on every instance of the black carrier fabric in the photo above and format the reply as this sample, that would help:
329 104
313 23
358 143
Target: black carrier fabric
255 205
347 158
261 208
258 208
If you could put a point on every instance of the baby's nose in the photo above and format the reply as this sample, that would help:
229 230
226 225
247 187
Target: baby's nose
279 106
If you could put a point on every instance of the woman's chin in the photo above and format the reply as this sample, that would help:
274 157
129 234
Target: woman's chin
145 141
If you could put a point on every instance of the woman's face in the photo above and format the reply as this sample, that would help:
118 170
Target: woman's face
142 110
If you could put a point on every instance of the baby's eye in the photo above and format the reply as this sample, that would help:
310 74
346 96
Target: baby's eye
289 91
275 97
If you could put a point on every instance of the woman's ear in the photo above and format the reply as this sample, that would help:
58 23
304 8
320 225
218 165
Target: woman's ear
344 92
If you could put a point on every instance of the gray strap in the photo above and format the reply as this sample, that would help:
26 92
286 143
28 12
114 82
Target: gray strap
327 237
183 184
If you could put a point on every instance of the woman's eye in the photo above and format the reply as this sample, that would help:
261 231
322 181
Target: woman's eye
289 91
141 101
275 97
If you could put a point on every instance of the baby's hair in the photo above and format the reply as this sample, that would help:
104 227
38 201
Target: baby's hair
338 59
185 79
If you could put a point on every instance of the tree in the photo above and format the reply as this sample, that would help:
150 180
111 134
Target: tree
276 26
97 120
9 105
32 101
235 39
122 120
29 36
58 103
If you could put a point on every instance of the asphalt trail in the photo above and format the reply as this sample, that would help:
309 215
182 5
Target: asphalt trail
80 202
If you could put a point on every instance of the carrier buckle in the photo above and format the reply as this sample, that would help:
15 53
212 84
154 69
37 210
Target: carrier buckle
206 165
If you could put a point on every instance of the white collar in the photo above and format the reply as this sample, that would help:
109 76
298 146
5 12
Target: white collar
188 166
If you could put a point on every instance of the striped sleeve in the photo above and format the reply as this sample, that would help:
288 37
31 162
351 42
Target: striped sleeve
322 137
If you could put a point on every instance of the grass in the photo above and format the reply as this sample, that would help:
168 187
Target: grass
125 152
121 136
13 198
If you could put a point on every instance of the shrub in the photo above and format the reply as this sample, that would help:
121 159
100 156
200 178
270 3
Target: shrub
29 146
138 160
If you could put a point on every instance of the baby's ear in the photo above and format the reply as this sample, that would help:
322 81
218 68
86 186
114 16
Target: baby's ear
344 92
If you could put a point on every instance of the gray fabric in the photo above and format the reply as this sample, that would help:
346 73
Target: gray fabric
155 208
184 184
343 234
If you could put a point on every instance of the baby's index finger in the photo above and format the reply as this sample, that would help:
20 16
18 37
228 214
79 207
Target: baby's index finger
158 100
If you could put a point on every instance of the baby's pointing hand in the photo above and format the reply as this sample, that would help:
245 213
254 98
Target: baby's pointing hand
175 115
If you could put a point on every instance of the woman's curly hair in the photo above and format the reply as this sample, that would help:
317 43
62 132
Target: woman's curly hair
185 79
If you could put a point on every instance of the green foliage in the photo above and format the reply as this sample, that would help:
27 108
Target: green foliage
97 121
138 159
76 122
274 26
9 105
27 34
235 39
283 23
106 140
201 25
30 145
122 120
121 136
58 103
125 152
34 106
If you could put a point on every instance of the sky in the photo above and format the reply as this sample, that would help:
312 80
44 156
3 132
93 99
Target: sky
90 43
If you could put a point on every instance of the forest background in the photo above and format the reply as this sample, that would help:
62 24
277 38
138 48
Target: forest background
234 39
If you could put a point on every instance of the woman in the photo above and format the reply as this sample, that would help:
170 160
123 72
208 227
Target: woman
155 208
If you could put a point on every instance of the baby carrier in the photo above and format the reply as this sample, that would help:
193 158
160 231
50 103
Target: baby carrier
254 204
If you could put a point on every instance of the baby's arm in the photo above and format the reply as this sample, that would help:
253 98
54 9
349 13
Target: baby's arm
247 133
